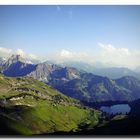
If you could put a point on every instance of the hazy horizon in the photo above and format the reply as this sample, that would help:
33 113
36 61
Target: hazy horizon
93 34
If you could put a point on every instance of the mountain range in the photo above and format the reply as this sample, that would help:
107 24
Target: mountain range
75 83
36 99
98 69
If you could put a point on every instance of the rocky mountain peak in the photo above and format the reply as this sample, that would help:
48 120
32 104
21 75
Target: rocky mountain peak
17 58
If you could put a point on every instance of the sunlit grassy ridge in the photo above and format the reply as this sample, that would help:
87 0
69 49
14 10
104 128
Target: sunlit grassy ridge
28 106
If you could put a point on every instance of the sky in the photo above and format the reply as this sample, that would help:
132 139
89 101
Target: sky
104 34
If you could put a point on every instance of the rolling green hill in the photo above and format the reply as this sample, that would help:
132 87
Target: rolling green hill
29 107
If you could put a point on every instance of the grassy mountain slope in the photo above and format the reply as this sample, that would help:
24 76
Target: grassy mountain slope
28 107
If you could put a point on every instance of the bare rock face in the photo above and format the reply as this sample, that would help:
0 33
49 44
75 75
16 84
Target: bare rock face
48 72
43 71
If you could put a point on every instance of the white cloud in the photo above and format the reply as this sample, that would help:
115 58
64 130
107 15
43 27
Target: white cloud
119 56
5 52
65 54
112 50
20 52
25 55
32 56
108 56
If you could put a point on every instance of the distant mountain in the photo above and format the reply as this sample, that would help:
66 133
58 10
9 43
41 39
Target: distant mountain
81 66
110 72
17 66
115 72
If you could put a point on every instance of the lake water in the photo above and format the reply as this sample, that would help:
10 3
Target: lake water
114 109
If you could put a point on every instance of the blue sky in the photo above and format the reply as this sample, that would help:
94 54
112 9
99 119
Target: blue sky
43 30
